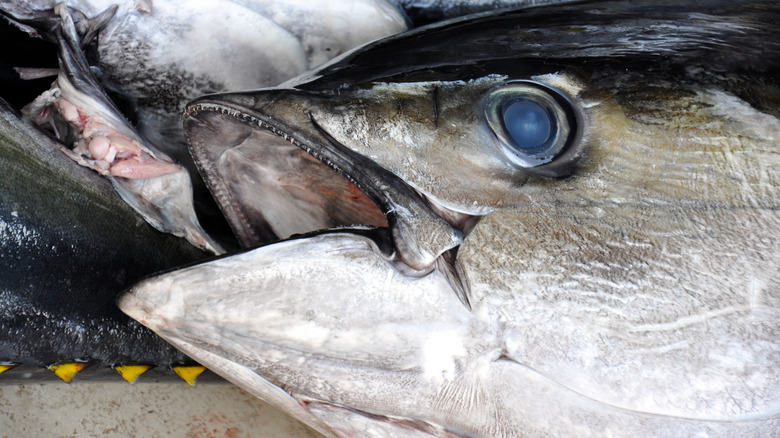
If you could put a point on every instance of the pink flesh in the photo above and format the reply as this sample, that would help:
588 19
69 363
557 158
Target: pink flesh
70 112
99 147
140 167
109 151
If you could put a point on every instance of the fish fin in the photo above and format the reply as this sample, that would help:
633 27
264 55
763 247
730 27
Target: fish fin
92 26
30 73
449 266
7 366
143 6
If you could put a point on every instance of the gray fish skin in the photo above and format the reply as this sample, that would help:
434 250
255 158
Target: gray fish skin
181 50
68 244
159 55
629 287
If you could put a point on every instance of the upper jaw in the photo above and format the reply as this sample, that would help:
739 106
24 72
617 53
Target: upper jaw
220 124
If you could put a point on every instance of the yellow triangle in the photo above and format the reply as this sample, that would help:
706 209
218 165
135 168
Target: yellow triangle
66 371
7 366
131 372
189 373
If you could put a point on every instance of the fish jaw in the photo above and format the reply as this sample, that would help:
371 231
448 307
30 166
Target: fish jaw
270 322
140 303
421 231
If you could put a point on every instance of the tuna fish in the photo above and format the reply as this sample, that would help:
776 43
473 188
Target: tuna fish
580 238
68 244
155 57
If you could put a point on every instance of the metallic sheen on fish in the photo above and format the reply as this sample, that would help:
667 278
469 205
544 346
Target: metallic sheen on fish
582 229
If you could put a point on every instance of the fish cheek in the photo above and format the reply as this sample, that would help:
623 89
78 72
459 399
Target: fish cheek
429 134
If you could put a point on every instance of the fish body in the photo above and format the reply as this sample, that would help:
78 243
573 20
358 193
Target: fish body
153 58
581 240
68 243
159 56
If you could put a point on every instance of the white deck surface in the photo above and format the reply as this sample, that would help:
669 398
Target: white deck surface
118 409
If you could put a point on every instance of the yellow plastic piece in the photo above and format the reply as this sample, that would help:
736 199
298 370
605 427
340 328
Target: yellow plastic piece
67 370
131 372
189 373
6 367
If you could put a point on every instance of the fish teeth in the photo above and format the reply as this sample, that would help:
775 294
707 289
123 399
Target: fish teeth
189 373
7 366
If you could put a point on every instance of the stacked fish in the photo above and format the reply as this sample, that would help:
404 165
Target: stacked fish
154 58
550 220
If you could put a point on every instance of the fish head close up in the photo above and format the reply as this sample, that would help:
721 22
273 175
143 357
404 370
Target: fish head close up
551 221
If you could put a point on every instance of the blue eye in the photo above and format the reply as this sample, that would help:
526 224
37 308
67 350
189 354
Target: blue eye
535 125
529 124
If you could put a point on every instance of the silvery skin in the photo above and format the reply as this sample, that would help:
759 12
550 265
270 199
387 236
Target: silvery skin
629 287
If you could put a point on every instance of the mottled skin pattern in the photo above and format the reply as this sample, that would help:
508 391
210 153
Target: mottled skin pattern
154 57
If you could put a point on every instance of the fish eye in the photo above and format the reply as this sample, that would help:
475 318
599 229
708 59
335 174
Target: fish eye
535 124
529 124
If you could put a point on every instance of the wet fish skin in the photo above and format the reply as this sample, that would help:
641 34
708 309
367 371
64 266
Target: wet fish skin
68 244
149 57
634 295
146 51
157 56
269 42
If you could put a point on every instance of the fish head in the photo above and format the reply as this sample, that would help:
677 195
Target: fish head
580 237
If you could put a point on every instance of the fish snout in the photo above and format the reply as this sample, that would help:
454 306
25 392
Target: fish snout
146 303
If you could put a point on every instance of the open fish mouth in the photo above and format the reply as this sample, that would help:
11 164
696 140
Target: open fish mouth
276 173
299 188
